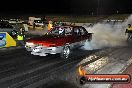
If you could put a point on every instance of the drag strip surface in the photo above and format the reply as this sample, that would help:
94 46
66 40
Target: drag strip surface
19 69
118 61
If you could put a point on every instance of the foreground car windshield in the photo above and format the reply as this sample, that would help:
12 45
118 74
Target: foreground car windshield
61 31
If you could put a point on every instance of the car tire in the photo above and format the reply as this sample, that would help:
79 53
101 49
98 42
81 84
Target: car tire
65 54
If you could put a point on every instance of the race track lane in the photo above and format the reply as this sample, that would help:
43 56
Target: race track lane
19 69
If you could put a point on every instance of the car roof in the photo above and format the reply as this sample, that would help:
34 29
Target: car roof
68 26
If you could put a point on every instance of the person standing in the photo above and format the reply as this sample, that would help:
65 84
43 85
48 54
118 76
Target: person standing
20 37
129 31
50 26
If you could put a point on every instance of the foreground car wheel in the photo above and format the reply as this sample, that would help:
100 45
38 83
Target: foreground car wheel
66 52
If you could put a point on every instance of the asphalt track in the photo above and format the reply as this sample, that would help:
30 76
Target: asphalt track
118 60
20 69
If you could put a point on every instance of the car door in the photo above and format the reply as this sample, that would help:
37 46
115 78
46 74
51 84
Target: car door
77 36
84 35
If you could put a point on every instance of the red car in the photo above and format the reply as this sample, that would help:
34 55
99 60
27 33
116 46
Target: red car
61 39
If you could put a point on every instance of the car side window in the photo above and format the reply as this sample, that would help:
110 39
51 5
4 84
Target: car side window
61 31
68 31
83 31
76 31
54 31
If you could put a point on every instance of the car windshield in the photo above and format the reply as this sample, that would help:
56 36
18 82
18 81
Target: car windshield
60 31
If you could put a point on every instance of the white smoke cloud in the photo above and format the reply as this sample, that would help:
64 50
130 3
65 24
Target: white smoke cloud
128 21
108 35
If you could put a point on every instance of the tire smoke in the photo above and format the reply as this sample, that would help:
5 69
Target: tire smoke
108 35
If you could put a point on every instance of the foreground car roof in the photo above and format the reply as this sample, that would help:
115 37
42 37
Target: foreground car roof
68 26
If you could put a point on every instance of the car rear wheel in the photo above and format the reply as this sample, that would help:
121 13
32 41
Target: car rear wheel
65 52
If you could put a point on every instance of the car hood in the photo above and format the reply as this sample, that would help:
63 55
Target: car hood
52 39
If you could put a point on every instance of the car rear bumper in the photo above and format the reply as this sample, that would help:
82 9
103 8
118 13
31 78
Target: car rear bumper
44 51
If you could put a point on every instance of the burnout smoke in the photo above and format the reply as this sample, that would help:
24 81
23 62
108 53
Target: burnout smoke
107 35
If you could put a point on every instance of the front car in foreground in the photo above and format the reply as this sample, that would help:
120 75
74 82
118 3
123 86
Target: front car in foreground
61 39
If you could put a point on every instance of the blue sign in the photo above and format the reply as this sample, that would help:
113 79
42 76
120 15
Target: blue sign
2 39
